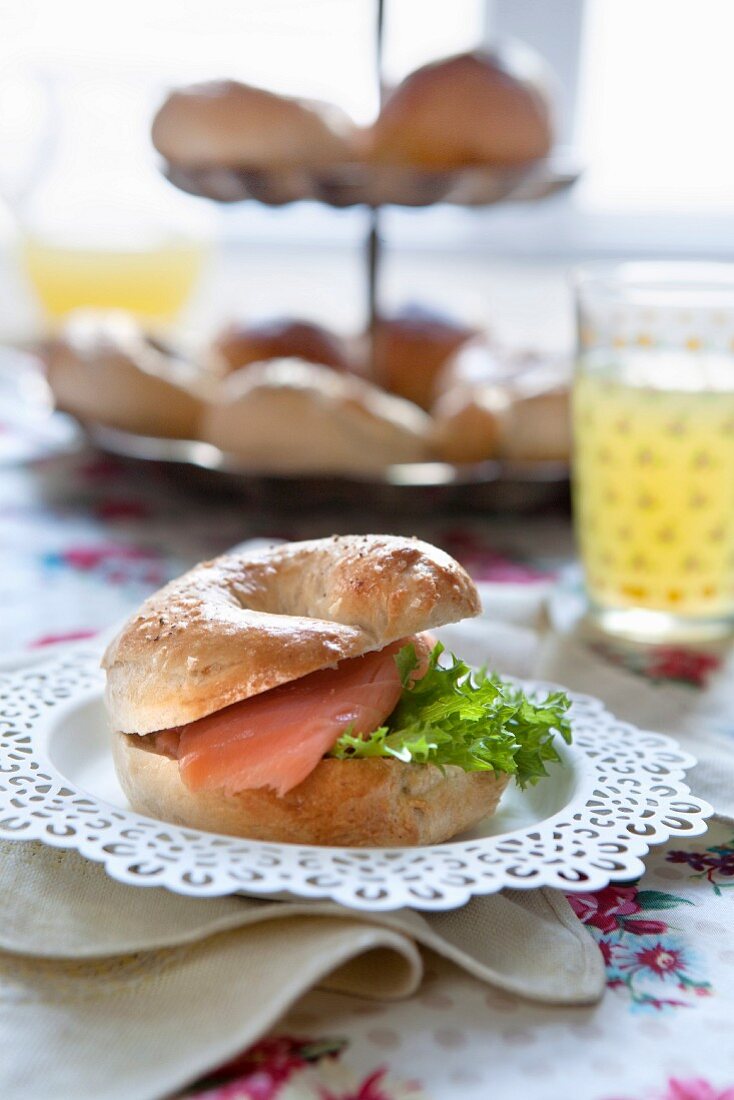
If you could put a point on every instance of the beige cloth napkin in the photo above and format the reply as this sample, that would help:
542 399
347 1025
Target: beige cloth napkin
116 993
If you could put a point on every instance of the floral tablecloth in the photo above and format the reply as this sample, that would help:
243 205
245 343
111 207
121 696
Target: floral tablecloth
84 537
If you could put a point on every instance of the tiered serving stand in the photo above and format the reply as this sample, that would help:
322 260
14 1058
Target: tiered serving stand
416 485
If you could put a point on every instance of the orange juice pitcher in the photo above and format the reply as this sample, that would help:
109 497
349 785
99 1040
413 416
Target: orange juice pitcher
100 227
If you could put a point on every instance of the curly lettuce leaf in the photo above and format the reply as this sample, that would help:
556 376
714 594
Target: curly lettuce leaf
453 715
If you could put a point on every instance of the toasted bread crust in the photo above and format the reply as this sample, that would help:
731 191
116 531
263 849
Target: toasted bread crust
352 803
245 623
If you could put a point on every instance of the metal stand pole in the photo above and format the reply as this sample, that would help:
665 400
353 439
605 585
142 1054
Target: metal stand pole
374 255
374 242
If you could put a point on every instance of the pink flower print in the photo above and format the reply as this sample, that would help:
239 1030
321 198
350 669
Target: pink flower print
616 907
485 564
643 956
56 639
101 469
684 665
646 927
115 563
603 909
496 569
309 1068
91 557
261 1071
652 970
695 1089
122 510
369 1089
659 959
688 667
713 864
605 947
696 860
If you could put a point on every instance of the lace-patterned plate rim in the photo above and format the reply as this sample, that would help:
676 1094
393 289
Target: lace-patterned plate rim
625 791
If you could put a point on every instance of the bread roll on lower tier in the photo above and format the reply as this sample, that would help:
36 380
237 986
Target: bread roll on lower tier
288 415
537 427
498 404
410 349
486 421
224 122
103 369
356 803
240 345
473 109
468 423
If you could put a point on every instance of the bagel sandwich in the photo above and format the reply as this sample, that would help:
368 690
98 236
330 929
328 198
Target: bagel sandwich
293 694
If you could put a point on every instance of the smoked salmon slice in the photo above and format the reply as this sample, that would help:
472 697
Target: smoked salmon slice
276 739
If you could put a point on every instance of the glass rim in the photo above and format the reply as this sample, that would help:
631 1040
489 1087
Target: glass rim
663 277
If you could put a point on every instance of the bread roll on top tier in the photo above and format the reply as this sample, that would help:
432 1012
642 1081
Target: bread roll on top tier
479 108
224 122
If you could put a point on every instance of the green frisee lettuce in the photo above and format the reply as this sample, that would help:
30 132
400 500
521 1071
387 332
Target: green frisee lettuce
453 715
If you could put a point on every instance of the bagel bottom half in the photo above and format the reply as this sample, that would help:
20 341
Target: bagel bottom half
354 803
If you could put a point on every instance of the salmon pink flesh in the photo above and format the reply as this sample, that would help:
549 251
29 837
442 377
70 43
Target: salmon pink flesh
276 739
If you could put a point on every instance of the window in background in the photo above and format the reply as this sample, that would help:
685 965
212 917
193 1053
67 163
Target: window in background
646 99
645 89
318 48
657 89
79 82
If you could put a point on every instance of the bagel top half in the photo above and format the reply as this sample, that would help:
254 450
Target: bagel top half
245 623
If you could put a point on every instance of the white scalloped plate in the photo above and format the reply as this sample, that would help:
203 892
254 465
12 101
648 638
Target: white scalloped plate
619 791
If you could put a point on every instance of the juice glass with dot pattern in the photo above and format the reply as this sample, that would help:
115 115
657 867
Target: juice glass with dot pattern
653 413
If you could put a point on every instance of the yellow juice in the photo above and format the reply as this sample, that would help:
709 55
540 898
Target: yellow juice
654 482
153 283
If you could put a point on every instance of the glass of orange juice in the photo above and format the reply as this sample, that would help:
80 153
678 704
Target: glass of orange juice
653 412
151 279
99 225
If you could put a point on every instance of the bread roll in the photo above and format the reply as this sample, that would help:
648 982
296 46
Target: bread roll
244 623
240 345
410 349
103 369
356 803
226 123
499 404
468 423
475 108
537 427
291 416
